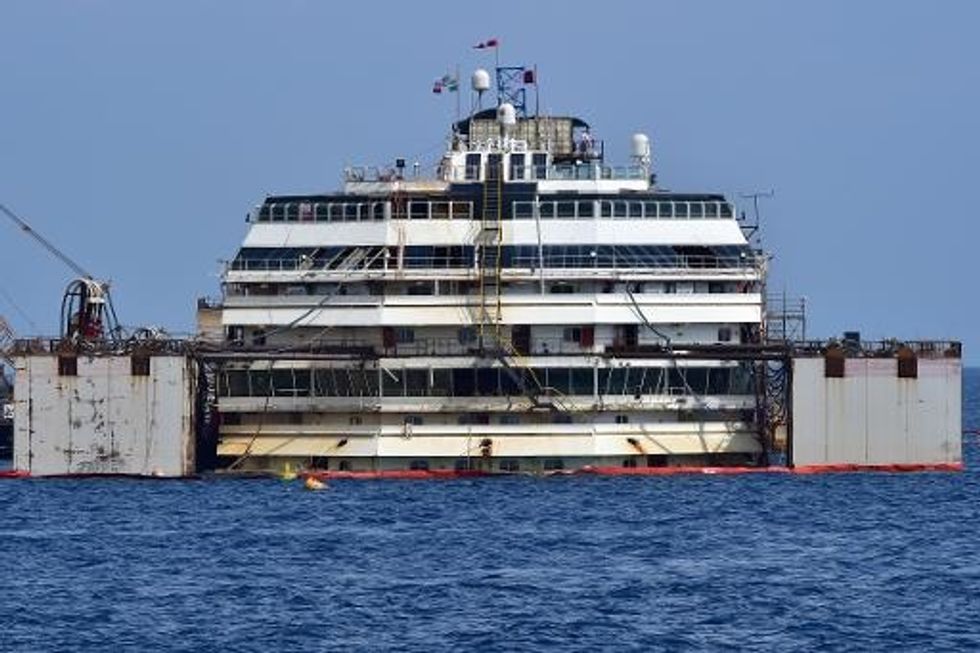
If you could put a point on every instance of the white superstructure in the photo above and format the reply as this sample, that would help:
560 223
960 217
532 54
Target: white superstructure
517 311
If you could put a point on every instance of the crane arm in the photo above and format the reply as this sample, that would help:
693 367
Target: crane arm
6 339
45 243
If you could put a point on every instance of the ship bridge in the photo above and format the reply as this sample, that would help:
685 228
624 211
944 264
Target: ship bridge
555 153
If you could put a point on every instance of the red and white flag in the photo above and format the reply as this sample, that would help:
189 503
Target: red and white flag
489 43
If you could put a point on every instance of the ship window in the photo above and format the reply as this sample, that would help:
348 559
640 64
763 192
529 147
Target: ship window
466 335
636 209
605 209
320 212
440 210
472 171
565 209
344 466
516 166
350 212
523 210
292 212
670 287
572 334
378 210
583 381
414 420
510 420
462 210
629 462
419 465
263 213
726 210
619 209
697 209
305 212
278 212
622 419
510 466
553 464
463 465
540 162
404 335
546 209
418 210
416 382
586 209
711 210
680 209
355 420
139 365
391 382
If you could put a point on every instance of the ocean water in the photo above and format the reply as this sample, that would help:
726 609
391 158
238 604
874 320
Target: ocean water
754 562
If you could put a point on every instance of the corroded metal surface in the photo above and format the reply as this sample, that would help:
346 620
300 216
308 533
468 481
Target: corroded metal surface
93 415
871 415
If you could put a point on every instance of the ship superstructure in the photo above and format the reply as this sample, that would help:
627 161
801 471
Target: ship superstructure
522 309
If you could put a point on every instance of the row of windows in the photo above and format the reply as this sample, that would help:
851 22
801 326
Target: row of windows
470 382
460 210
627 209
363 211
511 256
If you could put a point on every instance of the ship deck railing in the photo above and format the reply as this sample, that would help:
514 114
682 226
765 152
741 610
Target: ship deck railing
612 264
582 171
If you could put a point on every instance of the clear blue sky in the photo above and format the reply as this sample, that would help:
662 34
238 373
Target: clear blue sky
137 135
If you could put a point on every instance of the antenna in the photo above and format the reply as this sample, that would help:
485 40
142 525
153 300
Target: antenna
752 229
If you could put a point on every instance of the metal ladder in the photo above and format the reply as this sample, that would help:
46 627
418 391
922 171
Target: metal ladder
490 246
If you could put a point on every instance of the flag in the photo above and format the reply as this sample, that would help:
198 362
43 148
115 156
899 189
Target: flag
445 83
489 43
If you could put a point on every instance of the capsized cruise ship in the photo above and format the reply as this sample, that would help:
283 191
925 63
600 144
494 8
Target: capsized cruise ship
523 309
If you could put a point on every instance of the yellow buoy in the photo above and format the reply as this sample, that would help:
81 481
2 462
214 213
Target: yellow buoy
287 473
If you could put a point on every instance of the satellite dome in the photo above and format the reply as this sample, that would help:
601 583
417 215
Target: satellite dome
506 115
481 80
640 146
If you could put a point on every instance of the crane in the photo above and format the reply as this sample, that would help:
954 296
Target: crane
87 313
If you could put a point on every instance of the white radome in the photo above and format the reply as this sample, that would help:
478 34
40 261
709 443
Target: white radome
481 80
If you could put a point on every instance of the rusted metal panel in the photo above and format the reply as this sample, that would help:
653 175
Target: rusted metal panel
874 416
104 419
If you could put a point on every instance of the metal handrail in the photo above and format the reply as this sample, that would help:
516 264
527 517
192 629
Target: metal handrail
614 263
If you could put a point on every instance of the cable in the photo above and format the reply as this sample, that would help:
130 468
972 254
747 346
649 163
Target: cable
45 243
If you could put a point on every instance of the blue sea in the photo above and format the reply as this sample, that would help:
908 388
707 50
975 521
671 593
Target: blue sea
755 562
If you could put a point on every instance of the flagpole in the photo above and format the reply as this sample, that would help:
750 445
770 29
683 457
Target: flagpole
458 92
537 92
496 68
